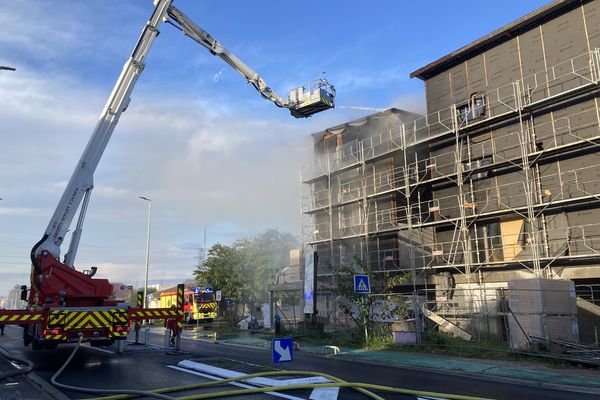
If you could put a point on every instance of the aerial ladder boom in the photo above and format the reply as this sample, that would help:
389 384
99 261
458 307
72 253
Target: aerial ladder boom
303 101
190 29
81 182
60 280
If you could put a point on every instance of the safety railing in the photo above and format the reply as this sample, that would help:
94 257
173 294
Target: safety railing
568 75
573 129
420 251
573 74
569 185
589 292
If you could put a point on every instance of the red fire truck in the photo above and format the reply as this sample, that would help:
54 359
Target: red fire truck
64 303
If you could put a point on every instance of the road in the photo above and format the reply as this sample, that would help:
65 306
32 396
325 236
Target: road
143 367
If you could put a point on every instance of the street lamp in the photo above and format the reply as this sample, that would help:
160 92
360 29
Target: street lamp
147 249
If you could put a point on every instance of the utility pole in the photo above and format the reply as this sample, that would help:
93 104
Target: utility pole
147 249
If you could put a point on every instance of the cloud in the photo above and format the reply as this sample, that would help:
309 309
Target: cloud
204 163
205 160
217 76
23 211
112 192
49 31
15 18
31 94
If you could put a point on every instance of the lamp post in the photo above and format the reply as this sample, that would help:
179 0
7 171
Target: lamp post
147 248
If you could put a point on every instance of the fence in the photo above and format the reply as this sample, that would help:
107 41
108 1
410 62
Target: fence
482 311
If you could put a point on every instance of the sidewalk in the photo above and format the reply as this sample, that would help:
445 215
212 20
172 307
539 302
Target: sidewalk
582 379
21 387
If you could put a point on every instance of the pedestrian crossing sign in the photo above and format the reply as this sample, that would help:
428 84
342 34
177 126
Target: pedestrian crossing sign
361 284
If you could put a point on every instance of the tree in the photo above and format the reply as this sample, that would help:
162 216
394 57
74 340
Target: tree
264 255
362 307
223 271
245 270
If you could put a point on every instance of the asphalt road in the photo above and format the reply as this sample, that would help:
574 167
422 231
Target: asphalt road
141 367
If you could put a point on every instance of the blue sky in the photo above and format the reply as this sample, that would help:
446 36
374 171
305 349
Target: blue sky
196 138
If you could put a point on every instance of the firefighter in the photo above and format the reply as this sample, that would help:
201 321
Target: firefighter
172 326
277 323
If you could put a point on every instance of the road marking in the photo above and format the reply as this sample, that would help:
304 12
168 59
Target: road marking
92 364
325 393
260 381
99 349
238 384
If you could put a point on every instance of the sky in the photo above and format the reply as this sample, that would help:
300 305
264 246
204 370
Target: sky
200 142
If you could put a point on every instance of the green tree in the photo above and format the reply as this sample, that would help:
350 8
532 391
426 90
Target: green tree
361 307
245 270
264 255
222 270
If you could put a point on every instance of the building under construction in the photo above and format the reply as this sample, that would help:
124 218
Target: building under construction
500 179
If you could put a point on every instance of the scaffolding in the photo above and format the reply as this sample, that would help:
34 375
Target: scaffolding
489 183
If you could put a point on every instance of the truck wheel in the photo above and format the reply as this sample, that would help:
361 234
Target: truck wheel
208 320
36 345
27 337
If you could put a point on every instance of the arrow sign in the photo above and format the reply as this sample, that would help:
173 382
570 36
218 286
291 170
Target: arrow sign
361 284
282 350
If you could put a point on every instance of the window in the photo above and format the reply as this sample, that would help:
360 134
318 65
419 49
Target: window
474 109
482 162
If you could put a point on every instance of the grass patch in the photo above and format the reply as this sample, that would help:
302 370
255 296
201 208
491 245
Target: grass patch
441 343
444 344
343 339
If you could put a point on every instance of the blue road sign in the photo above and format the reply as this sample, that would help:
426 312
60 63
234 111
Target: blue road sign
361 284
282 350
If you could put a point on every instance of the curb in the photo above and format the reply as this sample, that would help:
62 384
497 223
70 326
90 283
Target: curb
482 376
46 387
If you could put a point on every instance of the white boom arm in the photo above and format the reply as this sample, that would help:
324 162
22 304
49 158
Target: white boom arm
198 34
304 102
82 180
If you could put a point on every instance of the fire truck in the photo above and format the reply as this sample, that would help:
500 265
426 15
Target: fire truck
199 303
65 304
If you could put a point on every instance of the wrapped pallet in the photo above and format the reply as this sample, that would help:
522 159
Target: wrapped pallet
543 308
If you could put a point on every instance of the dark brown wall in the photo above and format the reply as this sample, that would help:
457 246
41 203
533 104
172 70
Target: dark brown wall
555 41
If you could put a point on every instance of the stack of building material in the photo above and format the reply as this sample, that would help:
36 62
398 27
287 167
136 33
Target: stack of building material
543 308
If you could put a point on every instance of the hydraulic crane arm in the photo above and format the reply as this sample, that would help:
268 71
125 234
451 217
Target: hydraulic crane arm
303 102
190 29
81 182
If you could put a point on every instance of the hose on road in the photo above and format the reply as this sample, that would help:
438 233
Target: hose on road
119 394
20 371
362 387
99 391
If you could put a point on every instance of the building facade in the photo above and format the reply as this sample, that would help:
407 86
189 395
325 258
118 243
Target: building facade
500 179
